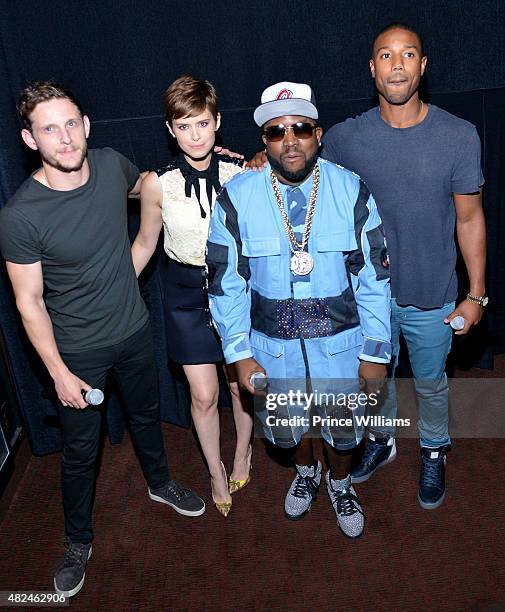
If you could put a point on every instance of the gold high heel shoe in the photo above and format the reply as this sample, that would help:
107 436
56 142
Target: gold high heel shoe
236 485
222 507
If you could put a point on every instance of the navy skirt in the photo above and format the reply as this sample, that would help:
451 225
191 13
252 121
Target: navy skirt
191 337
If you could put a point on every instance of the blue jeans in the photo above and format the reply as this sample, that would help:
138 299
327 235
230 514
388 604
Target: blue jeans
428 341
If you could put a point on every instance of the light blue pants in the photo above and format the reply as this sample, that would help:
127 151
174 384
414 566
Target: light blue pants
428 341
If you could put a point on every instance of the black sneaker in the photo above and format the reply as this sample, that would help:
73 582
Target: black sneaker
181 499
378 452
303 491
70 575
432 480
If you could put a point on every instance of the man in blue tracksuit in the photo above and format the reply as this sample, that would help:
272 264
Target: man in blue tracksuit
299 289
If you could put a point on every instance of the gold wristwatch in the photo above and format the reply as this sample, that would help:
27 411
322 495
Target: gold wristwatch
481 301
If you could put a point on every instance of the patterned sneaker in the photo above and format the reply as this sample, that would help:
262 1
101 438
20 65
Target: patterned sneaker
378 452
70 575
345 502
182 500
432 480
303 491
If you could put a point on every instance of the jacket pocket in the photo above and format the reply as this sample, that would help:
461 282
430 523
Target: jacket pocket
261 247
336 241
269 354
344 341
343 362
331 276
265 263
267 345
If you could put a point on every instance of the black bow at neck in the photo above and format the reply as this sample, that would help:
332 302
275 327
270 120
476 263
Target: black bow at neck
192 178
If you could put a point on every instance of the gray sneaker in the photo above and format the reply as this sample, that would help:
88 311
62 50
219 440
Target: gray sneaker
303 491
70 575
181 499
345 502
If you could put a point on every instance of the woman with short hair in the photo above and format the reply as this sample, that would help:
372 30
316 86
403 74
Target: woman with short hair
179 199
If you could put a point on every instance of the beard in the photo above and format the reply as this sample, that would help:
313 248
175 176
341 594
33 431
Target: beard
71 167
299 175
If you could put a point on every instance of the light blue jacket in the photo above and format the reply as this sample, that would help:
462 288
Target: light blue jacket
250 282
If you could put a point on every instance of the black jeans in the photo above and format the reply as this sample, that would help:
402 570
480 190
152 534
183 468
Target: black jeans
132 364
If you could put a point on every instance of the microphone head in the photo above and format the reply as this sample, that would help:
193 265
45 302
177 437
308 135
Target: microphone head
457 323
94 397
258 381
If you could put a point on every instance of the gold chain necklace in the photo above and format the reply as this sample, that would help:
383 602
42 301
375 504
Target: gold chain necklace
301 261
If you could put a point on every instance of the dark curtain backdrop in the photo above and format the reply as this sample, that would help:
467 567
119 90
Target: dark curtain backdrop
119 56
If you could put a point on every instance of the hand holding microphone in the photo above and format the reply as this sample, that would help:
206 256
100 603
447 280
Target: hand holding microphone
73 391
458 323
258 381
466 315
94 397
251 376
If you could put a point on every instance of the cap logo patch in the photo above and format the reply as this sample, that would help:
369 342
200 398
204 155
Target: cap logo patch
284 94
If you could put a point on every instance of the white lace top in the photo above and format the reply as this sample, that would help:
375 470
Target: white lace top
188 199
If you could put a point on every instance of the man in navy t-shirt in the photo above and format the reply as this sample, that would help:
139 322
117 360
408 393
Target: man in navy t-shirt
423 166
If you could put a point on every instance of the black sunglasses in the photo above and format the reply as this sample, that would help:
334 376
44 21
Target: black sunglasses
301 129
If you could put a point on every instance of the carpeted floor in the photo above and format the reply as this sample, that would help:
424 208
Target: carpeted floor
147 557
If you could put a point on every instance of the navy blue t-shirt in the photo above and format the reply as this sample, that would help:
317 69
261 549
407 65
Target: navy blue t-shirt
413 173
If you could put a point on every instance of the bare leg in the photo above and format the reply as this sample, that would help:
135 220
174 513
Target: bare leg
243 425
204 388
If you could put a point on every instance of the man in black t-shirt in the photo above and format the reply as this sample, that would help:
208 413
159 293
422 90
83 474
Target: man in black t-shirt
64 237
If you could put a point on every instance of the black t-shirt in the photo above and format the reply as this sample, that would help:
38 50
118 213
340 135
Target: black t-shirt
81 238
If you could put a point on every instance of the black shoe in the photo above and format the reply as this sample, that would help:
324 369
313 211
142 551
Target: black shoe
378 452
432 480
70 575
181 499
